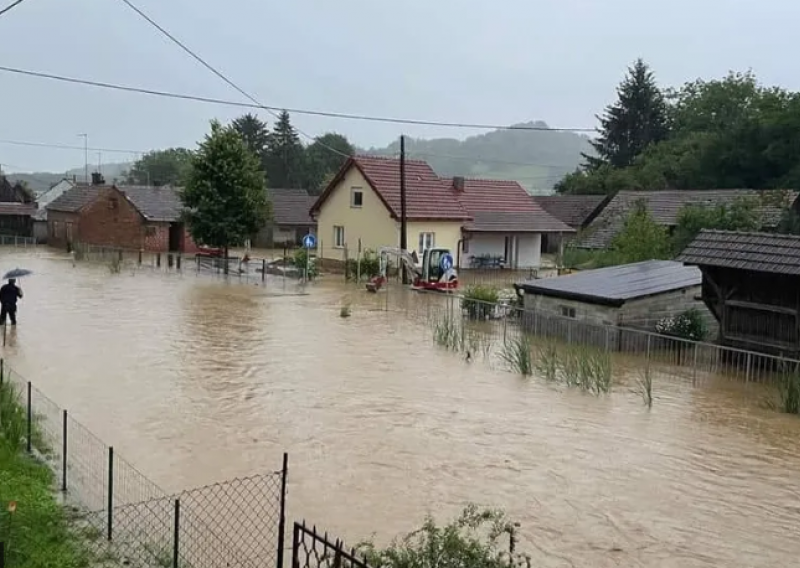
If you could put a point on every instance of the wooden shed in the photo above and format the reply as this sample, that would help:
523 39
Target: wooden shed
751 283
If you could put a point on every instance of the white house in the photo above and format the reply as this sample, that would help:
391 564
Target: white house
43 200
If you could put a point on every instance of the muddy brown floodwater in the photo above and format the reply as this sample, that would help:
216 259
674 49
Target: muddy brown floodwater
196 381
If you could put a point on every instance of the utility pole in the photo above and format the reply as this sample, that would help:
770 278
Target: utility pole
85 157
403 226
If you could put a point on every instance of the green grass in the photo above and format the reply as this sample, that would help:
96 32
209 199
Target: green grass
37 533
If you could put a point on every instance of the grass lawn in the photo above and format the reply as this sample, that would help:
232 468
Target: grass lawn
33 525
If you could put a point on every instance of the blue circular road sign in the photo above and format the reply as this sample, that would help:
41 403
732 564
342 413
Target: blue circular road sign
446 263
309 241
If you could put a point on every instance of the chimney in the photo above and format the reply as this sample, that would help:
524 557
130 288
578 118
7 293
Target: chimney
458 183
98 179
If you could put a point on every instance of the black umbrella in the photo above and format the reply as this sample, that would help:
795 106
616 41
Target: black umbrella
17 273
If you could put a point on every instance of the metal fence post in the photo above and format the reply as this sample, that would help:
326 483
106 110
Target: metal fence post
110 520
647 356
64 451
694 365
30 416
2 371
176 546
282 520
263 269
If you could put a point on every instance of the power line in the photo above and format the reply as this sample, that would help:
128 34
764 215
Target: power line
10 6
219 74
327 114
70 147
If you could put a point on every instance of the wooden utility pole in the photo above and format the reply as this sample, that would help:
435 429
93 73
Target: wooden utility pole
403 225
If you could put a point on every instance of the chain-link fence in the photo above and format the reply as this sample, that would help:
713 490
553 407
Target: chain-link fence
127 519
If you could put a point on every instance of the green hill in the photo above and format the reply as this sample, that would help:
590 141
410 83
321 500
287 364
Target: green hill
42 181
537 159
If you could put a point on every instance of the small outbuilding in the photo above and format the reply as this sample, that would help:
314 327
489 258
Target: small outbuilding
751 283
586 304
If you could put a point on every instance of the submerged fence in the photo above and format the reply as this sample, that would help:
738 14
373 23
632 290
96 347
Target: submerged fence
15 241
128 519
277 274
483 323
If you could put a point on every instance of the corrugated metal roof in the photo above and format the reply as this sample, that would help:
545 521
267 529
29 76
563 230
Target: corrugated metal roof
574 210
617 284
665 206
757 252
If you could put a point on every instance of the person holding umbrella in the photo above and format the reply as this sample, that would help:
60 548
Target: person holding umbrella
9 294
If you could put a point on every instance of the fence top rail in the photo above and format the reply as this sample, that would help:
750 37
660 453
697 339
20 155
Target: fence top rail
336 545
644 332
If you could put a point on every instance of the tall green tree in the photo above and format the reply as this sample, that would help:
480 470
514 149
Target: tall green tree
641 238
743 214
637 119
255 134
324 157
161 167
285 155
225 193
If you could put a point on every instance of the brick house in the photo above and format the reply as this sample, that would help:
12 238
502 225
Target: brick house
128 217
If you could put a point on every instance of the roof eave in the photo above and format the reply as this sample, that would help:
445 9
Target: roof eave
576 296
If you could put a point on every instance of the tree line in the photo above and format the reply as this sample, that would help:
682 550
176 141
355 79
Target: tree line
283 159
707 134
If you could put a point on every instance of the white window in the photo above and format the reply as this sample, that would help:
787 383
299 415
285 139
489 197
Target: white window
338 236
426 241
356 197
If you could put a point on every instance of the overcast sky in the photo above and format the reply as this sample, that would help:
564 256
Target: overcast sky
496 62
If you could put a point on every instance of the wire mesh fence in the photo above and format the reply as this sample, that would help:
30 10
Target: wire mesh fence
125 518
487 328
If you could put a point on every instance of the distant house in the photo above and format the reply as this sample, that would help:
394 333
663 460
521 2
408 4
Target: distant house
44 199
631 295
475 219
665 206
577 211
17 205
750 284
291 218
129 217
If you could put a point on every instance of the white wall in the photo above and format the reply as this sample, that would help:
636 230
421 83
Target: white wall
527 251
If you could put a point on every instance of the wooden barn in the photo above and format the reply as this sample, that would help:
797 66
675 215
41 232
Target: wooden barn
751 283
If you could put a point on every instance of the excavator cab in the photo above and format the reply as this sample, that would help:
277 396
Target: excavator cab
438 272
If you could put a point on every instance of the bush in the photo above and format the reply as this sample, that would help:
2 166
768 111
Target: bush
689 325
479 301
471 541
368 266
299 261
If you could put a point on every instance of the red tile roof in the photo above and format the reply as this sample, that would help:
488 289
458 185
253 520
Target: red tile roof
502 205
428 197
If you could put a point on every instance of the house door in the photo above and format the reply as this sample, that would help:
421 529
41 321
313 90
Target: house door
175 237
508 251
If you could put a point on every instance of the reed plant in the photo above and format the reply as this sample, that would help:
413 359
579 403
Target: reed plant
644 386
788 388
517 354
454 336
547 363
13 421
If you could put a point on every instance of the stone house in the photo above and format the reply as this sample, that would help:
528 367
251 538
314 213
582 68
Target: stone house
592 306
129 217
576 211
291 218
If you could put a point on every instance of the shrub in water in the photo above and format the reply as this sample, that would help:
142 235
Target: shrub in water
299 260
789 392
644 386
474 540
688 325
479 302
368 266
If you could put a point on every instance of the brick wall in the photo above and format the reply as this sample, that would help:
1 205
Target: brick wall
111 220
60 227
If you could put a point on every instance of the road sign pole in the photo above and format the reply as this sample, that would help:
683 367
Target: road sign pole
309 242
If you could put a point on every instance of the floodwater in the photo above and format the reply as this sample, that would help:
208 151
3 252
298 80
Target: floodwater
196 381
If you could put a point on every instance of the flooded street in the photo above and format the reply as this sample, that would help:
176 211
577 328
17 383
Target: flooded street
196 381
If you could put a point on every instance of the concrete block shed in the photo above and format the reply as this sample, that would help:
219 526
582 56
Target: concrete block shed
589 306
